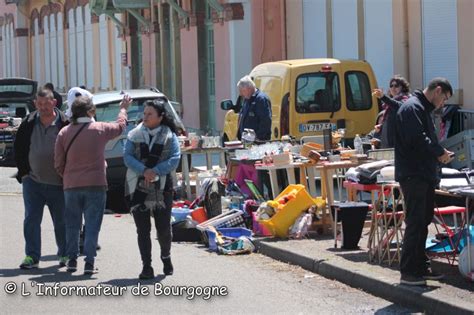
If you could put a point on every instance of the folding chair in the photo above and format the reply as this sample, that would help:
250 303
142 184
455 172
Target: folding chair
451 245
254 190
386 226
453 234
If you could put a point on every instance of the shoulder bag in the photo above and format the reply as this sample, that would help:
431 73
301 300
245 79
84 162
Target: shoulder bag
70 143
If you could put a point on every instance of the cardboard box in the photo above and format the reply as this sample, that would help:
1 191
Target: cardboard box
282 159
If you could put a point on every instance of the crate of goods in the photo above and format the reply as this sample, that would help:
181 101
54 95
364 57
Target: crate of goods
226 232
462 144
310 146
285 217
282 159
232 218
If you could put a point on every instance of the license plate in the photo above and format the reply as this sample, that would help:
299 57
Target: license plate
316 127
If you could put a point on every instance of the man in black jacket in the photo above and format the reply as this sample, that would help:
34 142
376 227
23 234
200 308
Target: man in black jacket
34 157
417 153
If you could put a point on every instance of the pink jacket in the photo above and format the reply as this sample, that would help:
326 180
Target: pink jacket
85 165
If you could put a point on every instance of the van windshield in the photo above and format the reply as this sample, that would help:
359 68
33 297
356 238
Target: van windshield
318 92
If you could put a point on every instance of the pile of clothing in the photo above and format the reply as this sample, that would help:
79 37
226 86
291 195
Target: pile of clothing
366 174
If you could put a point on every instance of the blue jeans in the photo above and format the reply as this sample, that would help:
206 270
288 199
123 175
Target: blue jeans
35 197
91 205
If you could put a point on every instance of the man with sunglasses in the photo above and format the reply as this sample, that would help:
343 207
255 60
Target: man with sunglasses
417 153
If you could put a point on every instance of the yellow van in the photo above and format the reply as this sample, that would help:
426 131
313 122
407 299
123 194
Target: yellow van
309 95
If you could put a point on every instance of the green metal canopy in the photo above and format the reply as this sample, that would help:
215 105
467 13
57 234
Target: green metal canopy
111 7
117 6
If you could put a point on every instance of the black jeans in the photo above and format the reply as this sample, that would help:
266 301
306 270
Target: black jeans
162 219
419 200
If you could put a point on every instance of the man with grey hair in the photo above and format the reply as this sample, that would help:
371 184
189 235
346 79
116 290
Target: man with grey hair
256 111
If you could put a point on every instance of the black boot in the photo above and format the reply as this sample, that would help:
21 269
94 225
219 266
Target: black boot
167 266
147 273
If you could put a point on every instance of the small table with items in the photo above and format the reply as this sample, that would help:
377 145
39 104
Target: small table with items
185 163
326 170
290 172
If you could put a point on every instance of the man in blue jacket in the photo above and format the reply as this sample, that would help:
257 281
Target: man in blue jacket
417 153
256 111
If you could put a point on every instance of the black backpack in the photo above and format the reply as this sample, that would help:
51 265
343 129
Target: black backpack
213 191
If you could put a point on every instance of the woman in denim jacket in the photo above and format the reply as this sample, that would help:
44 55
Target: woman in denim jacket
152 154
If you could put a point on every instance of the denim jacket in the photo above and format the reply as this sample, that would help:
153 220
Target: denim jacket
168 160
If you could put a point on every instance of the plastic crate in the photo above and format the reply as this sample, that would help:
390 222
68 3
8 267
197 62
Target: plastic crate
229 232
180 214
279 224
232 218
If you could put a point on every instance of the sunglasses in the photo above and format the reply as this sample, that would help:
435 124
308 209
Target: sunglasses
394 85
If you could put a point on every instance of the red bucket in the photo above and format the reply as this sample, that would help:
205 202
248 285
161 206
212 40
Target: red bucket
199 215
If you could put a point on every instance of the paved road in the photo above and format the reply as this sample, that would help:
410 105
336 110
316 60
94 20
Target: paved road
8 183
252 283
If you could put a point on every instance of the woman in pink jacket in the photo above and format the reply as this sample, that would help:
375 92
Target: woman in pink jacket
79 159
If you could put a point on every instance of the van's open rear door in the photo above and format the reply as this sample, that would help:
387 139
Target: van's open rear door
361 108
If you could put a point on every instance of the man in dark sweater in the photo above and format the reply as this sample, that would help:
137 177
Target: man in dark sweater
417 153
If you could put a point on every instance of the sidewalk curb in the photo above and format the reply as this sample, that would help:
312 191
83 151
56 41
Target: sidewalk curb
393 292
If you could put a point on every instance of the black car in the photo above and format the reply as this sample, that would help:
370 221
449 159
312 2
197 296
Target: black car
16 102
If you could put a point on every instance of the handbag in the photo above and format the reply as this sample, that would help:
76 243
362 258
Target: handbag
70 143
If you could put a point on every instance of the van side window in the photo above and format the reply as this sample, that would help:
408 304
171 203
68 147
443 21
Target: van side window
358 95
317 92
